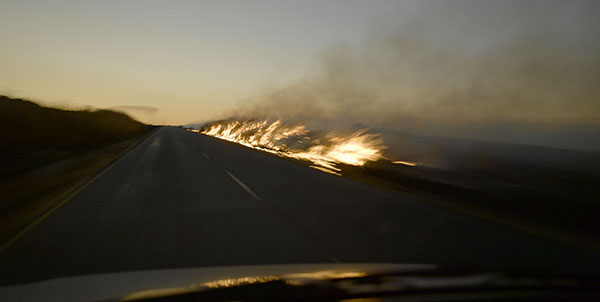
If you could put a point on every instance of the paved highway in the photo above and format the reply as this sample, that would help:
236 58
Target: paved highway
180 199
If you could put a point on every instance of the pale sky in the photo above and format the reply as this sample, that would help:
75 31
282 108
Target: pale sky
190 59
178 62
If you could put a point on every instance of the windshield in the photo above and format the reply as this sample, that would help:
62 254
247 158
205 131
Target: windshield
149 136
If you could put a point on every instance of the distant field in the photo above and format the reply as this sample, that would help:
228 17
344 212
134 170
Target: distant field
46 154
547 191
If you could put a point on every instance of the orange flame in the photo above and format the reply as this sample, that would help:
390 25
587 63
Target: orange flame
294 141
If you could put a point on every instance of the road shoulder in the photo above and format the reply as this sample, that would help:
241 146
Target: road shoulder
29 197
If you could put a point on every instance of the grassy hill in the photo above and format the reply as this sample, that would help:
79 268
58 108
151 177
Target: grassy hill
32 135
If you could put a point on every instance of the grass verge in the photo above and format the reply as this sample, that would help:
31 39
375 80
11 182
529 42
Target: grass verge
29 195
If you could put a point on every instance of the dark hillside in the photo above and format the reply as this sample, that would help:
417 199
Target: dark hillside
31 135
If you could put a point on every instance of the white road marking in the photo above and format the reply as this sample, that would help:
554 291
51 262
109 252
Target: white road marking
243 185
206 156
327 254
156 142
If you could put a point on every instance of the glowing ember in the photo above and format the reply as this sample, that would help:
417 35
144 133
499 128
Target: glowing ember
406 163
296 141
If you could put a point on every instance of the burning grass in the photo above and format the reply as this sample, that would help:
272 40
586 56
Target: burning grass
324 150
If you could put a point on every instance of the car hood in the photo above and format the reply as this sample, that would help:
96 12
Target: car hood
156 283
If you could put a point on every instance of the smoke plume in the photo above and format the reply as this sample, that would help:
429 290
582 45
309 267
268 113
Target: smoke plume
452 72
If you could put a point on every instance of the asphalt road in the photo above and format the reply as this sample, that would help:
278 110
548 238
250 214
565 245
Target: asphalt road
181 199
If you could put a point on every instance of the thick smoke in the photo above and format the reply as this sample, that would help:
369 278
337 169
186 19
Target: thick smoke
531 68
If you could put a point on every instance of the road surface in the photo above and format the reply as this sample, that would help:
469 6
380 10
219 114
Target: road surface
180 199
